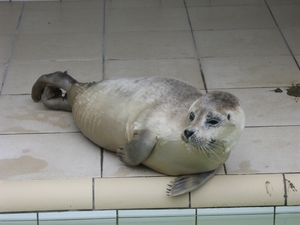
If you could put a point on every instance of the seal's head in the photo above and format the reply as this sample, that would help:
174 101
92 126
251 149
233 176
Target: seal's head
215 122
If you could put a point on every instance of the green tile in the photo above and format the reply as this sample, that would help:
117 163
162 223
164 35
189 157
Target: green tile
236 220
287 215
18 222
79 222
18 219
184 220
287 219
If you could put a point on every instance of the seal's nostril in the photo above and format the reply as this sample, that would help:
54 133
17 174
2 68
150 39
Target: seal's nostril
188 133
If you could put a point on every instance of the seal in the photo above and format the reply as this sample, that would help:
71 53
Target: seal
165 124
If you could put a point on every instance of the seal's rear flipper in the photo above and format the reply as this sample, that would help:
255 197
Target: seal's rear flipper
57 79
188 183
48 89
53 98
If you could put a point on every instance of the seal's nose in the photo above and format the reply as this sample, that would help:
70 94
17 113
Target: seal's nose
187 133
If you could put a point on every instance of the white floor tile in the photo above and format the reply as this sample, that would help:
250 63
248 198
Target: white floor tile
59 46
48 156
9 20
147 19
61 20
283 2
223 3
6 41
243 72
183 69
258 42
58 5
81 70
143 3
149 45
20 114
230 17
292 36
266 150
264 107
286 15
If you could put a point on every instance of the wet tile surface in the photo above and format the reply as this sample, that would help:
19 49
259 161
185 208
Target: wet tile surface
260 151
19 114
67 155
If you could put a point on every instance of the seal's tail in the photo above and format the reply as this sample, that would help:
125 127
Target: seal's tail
48 89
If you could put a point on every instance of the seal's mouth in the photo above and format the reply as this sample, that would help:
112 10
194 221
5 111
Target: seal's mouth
213 149
198 142
184 138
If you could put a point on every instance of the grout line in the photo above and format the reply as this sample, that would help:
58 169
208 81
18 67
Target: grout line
11 48
190 200
103 76
93 193
282 35
101 161
285 190
274 215
117 217
195 46
103 40
37 218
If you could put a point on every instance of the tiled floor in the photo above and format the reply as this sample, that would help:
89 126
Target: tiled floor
248 48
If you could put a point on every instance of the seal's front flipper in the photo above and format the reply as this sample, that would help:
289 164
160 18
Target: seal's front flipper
138 149
53 98
188 183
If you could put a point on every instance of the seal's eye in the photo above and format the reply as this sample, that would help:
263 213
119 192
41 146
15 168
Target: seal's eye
191 116
212 122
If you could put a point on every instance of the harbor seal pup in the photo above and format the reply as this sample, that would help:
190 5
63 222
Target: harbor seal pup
165 124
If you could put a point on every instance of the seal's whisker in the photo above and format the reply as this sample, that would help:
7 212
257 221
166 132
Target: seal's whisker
210 152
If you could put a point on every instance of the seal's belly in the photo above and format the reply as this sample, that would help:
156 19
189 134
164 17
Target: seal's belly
96 117
174 157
